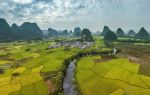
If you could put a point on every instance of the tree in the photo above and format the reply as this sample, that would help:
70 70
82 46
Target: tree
142 34
131 33
120 32
86 35
77 31
110 36
105 30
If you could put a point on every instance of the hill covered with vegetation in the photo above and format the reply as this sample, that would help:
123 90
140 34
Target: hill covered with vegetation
24 32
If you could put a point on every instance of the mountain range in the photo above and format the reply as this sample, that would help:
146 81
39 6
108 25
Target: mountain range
26 31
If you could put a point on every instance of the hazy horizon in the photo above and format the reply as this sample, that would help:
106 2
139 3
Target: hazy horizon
67 14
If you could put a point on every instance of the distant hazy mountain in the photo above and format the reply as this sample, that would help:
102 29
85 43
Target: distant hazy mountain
142 34
53 32
5 30
14 27
120 32
33 27
77 31
70 32
31 30
105 30
65 32
110 36
131 33
4 26
26 31
45 32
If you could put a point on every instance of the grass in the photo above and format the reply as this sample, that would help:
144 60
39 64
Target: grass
113 77
19 70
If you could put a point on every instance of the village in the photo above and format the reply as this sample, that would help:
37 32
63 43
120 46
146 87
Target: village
72 44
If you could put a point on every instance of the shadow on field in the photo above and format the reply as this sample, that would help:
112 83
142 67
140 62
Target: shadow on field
104 59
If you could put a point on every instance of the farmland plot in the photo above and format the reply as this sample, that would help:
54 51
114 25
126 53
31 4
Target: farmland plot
28 61
112 77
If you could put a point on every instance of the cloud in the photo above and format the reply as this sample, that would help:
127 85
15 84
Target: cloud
22 1
69 13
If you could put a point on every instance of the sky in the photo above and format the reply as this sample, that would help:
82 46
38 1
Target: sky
67 14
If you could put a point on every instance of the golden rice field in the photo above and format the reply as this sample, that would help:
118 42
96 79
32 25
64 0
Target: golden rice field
26 79
112 77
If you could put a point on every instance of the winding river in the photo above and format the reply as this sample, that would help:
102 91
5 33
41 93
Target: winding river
68 84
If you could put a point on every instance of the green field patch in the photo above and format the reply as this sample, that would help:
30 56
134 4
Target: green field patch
5 90
5 61
19 70
31 78
98 42
38 69
17 47
4 81
35 55
91 84
38 88
124 75
101 69
7 73
124 64
118 92
26 72
41 88
86 62
28 90
145 79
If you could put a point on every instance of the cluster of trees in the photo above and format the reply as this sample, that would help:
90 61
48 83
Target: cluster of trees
24 32
111 36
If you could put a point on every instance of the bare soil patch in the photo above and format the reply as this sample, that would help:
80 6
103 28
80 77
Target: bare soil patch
50 85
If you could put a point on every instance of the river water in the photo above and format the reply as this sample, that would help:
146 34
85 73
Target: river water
68 84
